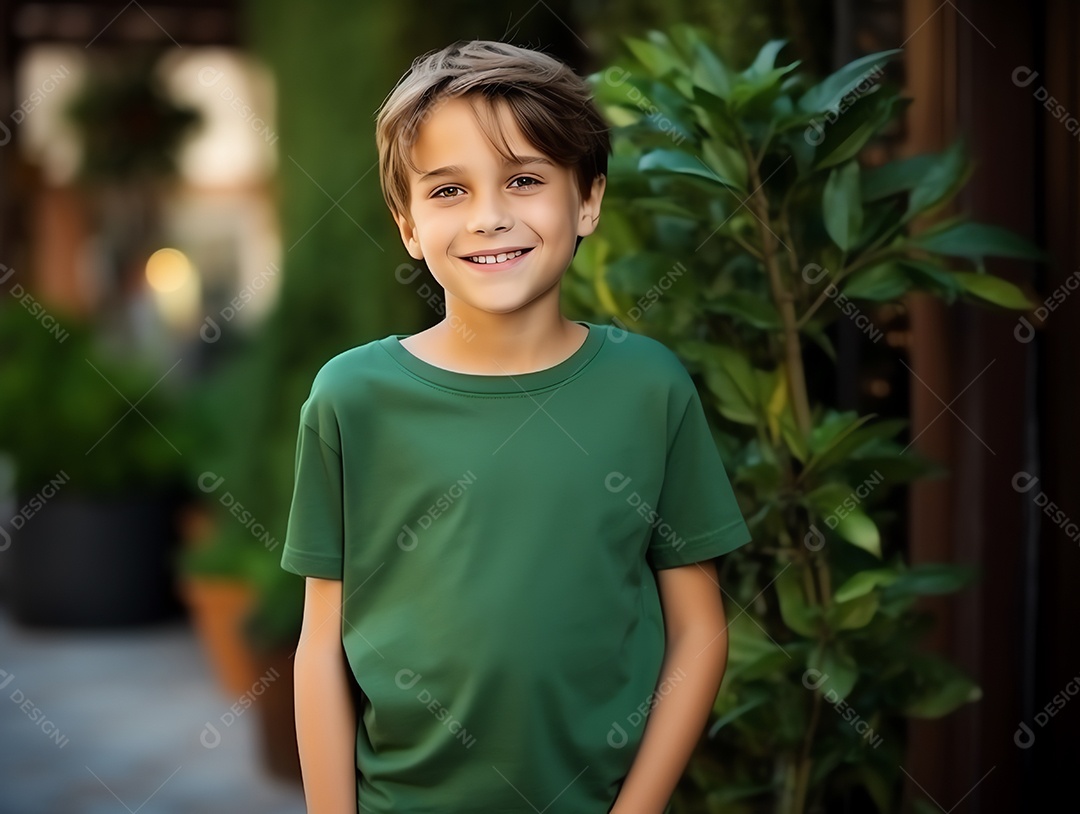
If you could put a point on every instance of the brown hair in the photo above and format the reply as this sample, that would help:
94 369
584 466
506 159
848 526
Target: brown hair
552 105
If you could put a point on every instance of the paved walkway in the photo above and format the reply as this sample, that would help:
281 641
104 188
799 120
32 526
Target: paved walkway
108 722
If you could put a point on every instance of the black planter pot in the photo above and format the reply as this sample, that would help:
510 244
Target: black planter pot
81 562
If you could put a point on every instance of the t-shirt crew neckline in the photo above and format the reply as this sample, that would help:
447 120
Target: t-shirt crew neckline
497 383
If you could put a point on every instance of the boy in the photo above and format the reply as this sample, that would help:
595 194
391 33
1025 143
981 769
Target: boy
507 521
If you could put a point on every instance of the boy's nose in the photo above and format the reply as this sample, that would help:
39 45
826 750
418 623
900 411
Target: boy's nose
489 213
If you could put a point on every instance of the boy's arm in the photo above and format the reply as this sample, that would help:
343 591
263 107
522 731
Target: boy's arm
695 657
325 714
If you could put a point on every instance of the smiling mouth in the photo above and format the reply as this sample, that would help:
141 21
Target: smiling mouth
496 262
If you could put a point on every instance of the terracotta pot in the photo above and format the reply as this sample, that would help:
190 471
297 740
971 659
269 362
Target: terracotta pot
218 608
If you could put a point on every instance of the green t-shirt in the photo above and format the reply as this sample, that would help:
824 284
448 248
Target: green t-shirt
497 537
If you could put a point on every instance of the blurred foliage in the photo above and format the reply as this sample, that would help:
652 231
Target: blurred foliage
737 27
339 286
71 407
128 124
738 227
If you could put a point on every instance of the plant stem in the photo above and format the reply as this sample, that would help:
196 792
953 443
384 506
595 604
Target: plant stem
751 250
802 773
782 297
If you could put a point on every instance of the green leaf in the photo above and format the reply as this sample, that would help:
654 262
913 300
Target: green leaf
942 688
929 579
748 307
754 96
859 530
793 438
880 283
765 62
657 60
841 205
839 671
853 614
878 220
878 785
796 614
856 443
943 178
709 72
752 654
828 94
677 162
828 435
863 582
666 206
978 240
716 116
928 276
730 375
895 177
849 134
728 163
993 289
820 338
737 712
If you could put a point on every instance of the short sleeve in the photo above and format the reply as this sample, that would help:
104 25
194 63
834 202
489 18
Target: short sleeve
314 537
698 516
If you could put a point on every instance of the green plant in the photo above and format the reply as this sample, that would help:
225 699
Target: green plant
67 411
127 122
736 209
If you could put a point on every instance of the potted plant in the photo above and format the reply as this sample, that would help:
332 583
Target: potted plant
739 228
227 569
97 478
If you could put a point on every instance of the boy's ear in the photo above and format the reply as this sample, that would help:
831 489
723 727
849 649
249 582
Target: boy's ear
408 236
590 208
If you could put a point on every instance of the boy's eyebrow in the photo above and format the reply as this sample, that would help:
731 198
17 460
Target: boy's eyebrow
454 169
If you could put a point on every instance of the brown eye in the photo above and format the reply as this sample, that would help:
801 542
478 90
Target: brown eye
438 193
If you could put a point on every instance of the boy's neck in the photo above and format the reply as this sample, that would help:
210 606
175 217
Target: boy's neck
498 344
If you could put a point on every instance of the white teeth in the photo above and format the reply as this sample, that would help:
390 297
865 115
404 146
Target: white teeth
498 258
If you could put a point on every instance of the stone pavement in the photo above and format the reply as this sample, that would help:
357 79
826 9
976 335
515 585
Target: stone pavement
103 722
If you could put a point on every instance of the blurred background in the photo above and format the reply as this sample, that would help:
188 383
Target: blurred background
191 224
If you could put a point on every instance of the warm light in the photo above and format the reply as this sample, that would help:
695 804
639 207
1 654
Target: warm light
879 388
168 269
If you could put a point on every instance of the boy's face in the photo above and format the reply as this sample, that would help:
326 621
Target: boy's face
484 205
